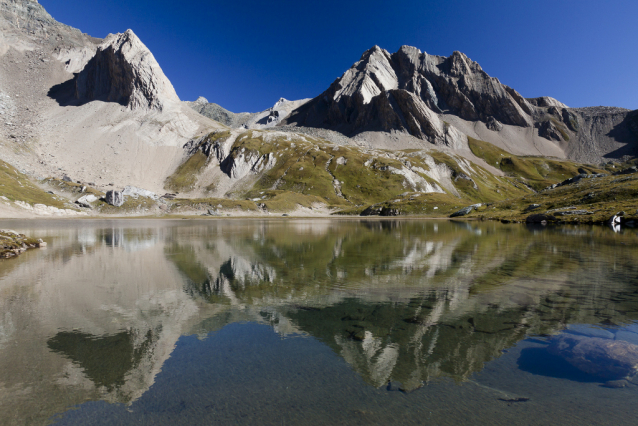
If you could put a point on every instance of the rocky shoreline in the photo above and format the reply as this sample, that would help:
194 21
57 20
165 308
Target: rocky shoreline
13 244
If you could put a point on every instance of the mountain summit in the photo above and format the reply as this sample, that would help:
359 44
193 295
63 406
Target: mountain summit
123 70
384 91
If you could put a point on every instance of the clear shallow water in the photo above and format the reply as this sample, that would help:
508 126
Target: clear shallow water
311 322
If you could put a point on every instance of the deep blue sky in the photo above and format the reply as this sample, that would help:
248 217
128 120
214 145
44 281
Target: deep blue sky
245 55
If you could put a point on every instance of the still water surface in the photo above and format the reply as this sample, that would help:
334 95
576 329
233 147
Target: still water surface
318 322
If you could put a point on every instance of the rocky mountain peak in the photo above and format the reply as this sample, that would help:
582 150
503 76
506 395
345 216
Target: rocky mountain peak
369 77
124 70
398 91
460 65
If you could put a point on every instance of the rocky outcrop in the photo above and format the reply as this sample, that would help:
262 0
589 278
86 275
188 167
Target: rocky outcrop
123 70
406 90
546 102
13 244
242 162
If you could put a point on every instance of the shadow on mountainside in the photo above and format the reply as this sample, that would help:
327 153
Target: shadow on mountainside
65 94
626 132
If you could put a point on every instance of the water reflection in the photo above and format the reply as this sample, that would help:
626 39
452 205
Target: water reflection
402 302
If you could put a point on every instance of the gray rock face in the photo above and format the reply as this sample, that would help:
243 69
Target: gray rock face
603 132
114 198
405 90
123 70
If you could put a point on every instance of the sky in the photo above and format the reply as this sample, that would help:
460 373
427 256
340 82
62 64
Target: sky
245 55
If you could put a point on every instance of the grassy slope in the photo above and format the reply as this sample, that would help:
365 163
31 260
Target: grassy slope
308 168
17 187
538 172
603 197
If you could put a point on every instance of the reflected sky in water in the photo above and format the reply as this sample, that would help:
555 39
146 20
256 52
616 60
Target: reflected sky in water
311 321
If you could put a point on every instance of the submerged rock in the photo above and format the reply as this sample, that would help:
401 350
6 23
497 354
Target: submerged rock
603 358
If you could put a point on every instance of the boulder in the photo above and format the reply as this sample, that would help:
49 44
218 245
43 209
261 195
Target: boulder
133 191
114 198
603 358
532 207
86 200
466 210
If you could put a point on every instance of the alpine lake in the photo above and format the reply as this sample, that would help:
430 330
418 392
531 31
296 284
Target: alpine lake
319 322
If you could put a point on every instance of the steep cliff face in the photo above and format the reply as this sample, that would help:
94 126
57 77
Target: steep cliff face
123 70
404 91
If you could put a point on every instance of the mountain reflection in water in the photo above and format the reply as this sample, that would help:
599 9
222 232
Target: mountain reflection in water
96 315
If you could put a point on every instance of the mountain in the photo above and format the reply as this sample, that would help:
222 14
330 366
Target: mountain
418 94
98 111
402 133
258 120
123 70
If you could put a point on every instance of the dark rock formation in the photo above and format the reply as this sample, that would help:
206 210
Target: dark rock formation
540 218
114 198
380 211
